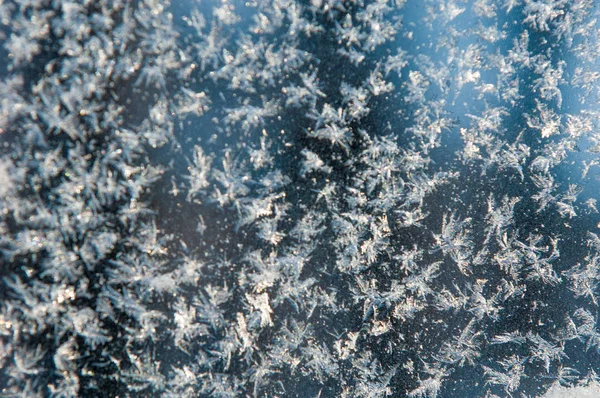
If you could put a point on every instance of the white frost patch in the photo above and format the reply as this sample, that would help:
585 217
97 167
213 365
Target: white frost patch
6 183
591 391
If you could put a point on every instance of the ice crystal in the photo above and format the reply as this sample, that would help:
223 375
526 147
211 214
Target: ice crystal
287 198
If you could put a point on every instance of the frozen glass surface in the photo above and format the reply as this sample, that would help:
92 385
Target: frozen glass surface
277 198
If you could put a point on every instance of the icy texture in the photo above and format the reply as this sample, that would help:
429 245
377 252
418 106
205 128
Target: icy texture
591 391
285 198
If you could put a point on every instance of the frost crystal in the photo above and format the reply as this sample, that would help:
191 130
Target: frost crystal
280 198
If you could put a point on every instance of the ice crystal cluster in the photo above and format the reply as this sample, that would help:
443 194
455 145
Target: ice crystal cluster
310 198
